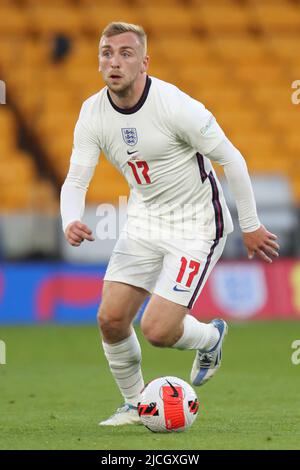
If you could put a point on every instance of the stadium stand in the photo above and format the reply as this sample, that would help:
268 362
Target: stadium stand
238 57
21 188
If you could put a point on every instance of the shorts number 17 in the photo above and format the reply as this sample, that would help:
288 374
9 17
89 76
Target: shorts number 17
193 265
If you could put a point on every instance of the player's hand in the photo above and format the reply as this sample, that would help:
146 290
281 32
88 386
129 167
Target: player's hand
76 232
262 244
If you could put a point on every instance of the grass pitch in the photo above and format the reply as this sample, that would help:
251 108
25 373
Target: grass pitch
56 386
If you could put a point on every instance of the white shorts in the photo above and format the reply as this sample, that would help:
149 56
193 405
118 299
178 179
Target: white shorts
174 269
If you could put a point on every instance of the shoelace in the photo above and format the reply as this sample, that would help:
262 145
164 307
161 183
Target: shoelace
205 359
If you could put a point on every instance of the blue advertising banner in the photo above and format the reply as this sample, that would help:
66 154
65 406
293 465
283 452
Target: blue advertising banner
49 292
44 292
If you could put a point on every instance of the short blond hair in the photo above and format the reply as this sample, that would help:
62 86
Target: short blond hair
119 27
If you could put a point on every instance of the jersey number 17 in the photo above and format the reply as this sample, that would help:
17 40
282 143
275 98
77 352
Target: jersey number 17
140 170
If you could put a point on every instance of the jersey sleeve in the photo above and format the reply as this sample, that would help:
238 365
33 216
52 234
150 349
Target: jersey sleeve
86 144
239 182
196 125
73 191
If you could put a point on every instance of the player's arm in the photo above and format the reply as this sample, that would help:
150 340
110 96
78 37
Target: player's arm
256 238
72 204
84 159
197 126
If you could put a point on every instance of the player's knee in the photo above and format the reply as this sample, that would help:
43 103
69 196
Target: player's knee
158 339
109 322
155 334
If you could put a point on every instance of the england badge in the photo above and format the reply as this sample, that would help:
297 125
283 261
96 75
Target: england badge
130 136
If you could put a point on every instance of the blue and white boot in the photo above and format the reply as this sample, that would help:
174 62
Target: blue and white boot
207 363
126 414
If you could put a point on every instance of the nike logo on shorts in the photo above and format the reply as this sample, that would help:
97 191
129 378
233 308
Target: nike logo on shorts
180 290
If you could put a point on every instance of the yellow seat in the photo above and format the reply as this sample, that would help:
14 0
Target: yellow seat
32 196
187 50
221 99
292 144
81 80
176 21
9 51
247 119
45 199
158 3
243 49
9 132
295 76
96 17
283 47
221 3
55 126
47 3
33 53
263 150
272 96
8 123
84 53
13 21
107 184
260 74
28 104
166 72
51 19
55 101
220 18
19 167
284 119
16 197
204 75
91 3
277 18
22 77
264 164
58 152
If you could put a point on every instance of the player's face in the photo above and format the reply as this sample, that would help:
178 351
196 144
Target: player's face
121 61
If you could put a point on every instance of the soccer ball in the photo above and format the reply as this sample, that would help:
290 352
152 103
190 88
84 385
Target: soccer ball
168 404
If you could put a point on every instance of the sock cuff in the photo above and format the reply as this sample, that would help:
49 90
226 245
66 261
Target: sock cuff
197 335
188 328
128 343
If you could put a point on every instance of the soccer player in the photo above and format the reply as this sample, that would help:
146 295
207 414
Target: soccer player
163 142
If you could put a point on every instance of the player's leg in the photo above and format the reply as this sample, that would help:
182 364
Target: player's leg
166 322
120 303
130 277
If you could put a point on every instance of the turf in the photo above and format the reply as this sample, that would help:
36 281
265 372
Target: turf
56 386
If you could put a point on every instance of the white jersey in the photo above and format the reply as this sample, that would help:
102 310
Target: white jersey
160 146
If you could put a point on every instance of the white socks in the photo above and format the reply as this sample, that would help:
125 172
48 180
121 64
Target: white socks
197 335
125 357
124 360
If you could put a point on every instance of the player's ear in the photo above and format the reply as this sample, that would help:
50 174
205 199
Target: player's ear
145 64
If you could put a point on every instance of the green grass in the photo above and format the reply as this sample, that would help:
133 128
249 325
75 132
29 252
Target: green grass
56 386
